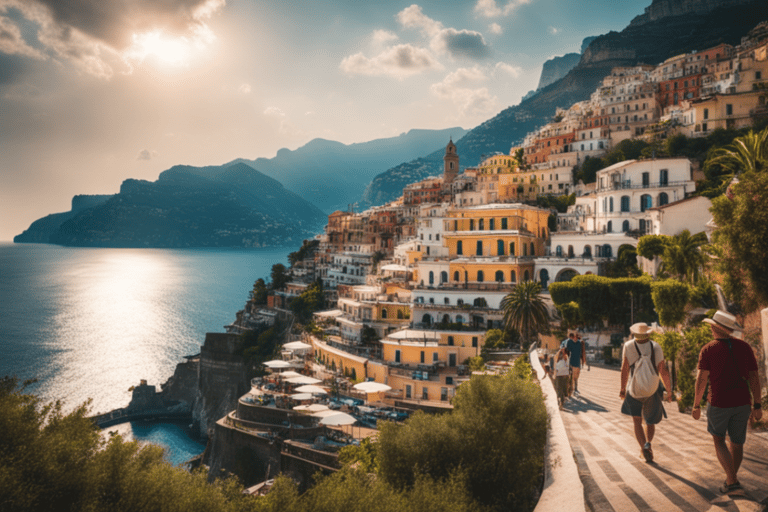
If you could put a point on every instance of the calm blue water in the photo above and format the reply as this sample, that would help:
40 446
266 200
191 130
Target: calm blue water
90 323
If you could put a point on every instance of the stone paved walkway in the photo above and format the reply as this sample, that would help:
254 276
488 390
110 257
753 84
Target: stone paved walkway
685 474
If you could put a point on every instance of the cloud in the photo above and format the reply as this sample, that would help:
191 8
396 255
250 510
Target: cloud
274 112
513 71
489 8
495 28
97 36
382 37
398 61
285 126
459 88
457 43
462 43
245 88
146 154
553 30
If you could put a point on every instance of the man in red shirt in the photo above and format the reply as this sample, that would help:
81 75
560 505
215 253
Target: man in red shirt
729 365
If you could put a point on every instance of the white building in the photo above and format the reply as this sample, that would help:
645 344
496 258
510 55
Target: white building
626 190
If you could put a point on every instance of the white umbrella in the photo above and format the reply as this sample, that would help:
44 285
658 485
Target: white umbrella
303 379
302 396
290 374
309 388
277 363
317 408
256 391
340 418
297 345
301 408
371 387
323 414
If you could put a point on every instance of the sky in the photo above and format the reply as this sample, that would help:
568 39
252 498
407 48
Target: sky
94 92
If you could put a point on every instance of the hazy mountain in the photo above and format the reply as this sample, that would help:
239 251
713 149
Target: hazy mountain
332 175
40 231
667 28
218 206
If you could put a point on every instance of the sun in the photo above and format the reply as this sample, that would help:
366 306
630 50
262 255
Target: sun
169 50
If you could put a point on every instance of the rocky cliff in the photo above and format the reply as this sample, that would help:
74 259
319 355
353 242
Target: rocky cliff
556 68
660 9
40 231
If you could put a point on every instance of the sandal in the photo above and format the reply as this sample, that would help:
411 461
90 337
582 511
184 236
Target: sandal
725 488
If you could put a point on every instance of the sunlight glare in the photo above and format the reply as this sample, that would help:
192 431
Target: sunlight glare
174 51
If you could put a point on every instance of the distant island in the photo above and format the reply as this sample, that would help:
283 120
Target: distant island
217 206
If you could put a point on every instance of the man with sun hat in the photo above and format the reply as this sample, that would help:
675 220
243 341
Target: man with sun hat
729 365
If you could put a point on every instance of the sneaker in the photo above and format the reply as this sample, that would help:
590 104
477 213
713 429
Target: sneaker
727 489
648 452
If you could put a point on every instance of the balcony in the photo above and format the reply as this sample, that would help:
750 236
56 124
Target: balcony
633 186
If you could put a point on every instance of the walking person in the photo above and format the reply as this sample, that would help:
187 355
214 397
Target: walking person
562 374
642 370
730 367
578 358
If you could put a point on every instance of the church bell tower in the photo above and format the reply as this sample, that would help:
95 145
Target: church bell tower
450 163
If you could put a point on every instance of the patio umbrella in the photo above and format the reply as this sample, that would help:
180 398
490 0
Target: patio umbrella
371 387
297 345
309 388
302 396
323 414
290 374
277 363
303 379
338 419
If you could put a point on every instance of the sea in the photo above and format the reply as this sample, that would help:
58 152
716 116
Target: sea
89 323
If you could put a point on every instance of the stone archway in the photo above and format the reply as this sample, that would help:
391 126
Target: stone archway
566 275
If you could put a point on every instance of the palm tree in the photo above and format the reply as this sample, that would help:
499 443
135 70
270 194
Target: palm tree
525 311
683 256
746 154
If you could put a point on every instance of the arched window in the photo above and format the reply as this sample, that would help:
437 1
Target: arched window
559 251
663 199
587 251
456 276
459 319
471 224
525 250
443 277
511 248
625 226
625 203
513 276
492 224
533 249
383 313
426 319
610 204
609 227
500 247
481 224
503 223
446 300
479 249
526 276
607 251
480 276
459 302
459 247
642 225
499 276
431 277
645 202
570 251
446 319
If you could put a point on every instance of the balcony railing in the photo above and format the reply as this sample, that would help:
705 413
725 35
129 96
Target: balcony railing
629 186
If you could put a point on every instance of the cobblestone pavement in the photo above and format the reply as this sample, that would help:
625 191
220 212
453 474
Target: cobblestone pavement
685 474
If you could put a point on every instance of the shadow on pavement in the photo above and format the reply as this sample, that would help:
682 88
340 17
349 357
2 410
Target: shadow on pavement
578 403
703 491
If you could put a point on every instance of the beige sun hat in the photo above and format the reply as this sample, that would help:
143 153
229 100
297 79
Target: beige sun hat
641 330
726 321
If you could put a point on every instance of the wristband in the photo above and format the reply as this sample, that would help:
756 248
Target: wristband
758 406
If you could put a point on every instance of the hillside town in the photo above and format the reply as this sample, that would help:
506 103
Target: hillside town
413 286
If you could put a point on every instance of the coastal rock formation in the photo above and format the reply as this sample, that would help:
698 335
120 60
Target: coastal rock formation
217 206
556 68
222 379
40 231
